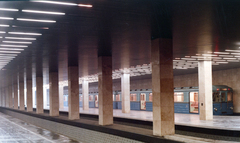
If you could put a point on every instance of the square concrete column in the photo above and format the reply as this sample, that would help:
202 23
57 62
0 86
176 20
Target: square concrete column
73 93
39 91
162 87
85 92
29 96
205 90
15 96
53 94
105 90
6 97
125 89
21 95
10 99
61 96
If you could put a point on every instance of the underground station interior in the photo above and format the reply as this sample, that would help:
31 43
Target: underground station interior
120 71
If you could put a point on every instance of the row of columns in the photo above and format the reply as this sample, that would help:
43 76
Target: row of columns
162 89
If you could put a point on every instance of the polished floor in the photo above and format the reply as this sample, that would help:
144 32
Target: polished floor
218 122
13 130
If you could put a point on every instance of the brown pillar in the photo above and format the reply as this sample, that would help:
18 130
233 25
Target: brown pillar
10 99
105 90
29 96
162 87
39 91
53 94
15 96
21 95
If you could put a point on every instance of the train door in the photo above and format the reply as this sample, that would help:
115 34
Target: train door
193 101
96 100
224 102
143 101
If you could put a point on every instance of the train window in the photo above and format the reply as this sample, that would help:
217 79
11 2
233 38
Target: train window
150 96
90 97
143 96
193 102
118 97
80 97
223 97
229 96
178 97
113 97
216 97
133 97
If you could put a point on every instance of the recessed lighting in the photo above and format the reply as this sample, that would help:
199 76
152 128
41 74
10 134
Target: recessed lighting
8 9
24 33
235 53
56 2
36 20
233 60
237 56
22 46
232 50
221 53
2 32
17 42
43 12
12 49
211 55
6 18
3 25
10 52
0 37
85 5
19 38
229 58
222 62
225 55
188 59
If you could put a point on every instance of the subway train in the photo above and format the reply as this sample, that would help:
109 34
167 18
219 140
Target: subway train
185 100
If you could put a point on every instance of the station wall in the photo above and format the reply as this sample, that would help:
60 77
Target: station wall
229 77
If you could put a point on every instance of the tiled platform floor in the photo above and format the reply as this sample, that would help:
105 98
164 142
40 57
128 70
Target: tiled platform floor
13 130
218 122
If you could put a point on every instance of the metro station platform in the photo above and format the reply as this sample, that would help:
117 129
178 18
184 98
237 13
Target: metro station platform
218 122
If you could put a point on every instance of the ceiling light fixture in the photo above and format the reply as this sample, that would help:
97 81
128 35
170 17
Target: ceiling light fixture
19 38
85 5
8 9
56 2
22 46
12 49
222 62
221 53
6 18
225 55
2 32
43 12
3 25
16 52
17 42
36 20
232 50
24 33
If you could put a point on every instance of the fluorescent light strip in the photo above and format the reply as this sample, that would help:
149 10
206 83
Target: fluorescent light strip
56 2
219 60
43 12
2 32
23 46
1 37
222 62
221 53
12 49
232 50
233 60
229 58
36 20
8 9
235 53
17 42
225 55
19 38
6 18
9 52
3 25
24 33
85 5
211 55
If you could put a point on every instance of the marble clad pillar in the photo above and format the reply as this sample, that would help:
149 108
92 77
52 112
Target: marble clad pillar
205 90
61 96
162 87
105 90
39 91
6 97
15 96
85 92
125 89
29 96
10 99
21 95
53 94
73 93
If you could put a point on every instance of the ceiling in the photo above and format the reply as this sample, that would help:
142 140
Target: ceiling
122 27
